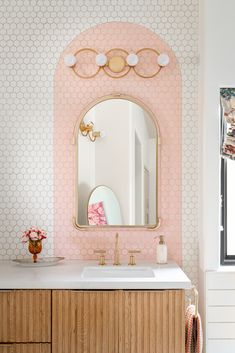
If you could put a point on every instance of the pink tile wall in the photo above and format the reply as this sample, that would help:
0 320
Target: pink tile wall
162 95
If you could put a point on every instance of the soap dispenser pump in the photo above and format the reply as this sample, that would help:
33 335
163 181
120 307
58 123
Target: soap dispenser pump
161 251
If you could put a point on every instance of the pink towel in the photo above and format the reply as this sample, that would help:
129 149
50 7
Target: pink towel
193 331
96 214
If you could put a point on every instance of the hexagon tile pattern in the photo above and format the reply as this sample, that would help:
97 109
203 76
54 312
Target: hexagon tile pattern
33 34
162 94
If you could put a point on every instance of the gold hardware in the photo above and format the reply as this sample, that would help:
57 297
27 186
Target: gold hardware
102 256
75 69
196 299
116 251
121 54
116 63
158 68
87 130
132 257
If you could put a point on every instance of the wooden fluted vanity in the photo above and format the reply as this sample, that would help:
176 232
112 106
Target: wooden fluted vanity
60 318
25 321
118 321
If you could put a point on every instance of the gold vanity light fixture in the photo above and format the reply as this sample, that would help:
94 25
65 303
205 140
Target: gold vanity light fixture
88 130
116 62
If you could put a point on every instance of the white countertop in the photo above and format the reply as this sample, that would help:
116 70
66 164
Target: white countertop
68 275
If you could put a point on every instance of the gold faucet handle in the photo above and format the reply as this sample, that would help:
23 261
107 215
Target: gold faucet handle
102 253
132 256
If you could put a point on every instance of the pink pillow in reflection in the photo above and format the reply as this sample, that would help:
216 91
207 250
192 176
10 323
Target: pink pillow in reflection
96 214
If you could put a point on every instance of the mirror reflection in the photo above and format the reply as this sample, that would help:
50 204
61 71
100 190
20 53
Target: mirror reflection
117 166
103 207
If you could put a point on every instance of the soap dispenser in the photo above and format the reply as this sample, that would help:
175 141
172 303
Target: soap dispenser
161 251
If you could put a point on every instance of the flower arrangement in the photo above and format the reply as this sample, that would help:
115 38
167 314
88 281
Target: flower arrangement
33 234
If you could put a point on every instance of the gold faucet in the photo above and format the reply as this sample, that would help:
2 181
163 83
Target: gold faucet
116 252
132 256
102 253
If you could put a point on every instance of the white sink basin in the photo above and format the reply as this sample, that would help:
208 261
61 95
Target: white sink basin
117 272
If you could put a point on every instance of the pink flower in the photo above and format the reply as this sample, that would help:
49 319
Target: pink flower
96 214
33 234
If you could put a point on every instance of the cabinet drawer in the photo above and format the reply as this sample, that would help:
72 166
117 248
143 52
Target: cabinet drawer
25 316
25 348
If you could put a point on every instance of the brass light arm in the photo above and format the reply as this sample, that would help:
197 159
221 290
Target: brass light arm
87 130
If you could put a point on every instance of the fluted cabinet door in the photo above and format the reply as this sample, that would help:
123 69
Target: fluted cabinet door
25 348
6 348
32 348
85 321
25 316
118 321
151 321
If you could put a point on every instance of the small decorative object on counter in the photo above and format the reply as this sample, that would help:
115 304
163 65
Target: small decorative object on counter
34 236
161 250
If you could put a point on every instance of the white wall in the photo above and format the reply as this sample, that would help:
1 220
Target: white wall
217 70
112 151
140 128
220 311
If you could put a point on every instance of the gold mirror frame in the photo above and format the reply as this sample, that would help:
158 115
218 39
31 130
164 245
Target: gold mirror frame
75 143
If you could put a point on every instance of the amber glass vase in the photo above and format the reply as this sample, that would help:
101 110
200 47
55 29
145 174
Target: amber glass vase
35 247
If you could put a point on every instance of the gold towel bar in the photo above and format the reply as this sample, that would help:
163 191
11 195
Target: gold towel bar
196 299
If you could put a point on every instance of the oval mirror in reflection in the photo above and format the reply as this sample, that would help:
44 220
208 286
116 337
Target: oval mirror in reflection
103 207
117 146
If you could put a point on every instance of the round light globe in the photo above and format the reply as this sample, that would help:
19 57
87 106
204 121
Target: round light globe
70 60
101 59
132 59
163 59
102 134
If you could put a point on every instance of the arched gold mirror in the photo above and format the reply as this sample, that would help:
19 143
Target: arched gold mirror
117 148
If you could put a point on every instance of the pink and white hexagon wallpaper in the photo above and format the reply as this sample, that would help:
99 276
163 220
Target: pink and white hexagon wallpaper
33 36
162 95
